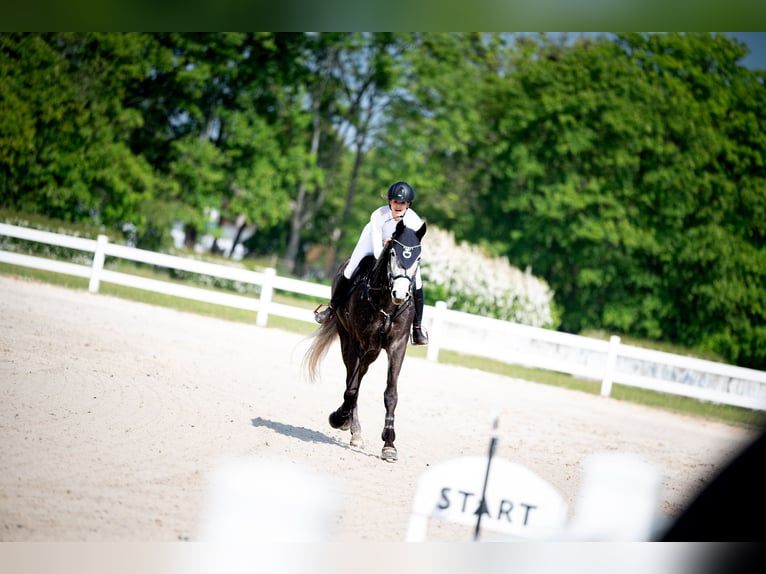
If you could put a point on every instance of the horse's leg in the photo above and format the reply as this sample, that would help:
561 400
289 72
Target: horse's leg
353 394
341 418
346 416
356 429
390 398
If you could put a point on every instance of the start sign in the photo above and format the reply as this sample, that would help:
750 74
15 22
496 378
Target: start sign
471 503
517 502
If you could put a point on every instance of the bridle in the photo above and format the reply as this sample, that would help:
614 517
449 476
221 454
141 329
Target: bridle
395 271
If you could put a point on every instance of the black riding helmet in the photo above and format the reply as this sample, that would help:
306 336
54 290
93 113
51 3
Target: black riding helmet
401 191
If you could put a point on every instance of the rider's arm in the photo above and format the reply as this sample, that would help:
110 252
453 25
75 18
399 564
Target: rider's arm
377 219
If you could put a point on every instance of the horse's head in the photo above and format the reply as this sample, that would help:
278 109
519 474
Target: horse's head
403 261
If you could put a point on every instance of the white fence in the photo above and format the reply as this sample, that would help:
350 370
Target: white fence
606 361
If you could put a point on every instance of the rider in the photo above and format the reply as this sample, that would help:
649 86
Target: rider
373 238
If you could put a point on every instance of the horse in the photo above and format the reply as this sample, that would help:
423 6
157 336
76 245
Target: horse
376 314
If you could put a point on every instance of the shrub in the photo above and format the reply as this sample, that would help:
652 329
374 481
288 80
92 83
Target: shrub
467 280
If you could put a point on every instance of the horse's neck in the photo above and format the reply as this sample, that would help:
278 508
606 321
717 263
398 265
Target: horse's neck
378 276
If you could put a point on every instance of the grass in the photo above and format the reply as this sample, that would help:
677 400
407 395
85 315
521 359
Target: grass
673 403
162 300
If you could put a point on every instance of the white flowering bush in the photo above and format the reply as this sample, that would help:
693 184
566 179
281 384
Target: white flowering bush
467 280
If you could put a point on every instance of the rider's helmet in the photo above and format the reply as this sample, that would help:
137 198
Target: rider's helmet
401 191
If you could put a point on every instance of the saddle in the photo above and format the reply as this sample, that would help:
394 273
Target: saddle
361 274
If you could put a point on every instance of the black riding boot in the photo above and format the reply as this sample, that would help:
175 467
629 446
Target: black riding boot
419 334
338 295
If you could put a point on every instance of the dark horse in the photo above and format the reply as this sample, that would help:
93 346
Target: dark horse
376 315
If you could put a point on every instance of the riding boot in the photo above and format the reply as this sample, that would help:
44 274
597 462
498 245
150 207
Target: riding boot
338 296
419 333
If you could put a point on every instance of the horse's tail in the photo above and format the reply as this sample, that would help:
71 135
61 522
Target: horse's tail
323 338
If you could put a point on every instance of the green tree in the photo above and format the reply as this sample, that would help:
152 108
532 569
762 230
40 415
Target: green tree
559 191
628 171
435 123
347 81
708 186
64 147
616 174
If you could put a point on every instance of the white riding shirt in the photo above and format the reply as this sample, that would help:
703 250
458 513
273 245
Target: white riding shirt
372 239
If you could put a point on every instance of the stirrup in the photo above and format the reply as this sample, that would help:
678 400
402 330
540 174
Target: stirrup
322 316
419 335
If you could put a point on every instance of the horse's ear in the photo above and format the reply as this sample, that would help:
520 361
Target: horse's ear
422 231
399 227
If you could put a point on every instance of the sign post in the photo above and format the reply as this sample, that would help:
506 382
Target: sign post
483 503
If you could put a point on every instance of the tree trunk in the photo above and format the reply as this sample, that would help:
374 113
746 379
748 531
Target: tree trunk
298 218
241 224
293 243
350 192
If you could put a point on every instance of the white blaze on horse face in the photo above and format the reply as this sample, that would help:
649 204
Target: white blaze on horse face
402 278
400 290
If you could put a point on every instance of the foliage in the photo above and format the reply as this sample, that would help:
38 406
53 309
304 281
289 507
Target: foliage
469 281
65 124
626 171
618 173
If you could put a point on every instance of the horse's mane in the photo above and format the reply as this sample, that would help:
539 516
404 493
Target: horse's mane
379 268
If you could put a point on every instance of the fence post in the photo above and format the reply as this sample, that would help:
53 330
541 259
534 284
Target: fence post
437 325
267 291
611 360
98 263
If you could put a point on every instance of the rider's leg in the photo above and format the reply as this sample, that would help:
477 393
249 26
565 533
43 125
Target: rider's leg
363 248
339 293
419 333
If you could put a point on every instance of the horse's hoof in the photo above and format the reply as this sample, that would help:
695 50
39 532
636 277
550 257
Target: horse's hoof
338 422
389 454
357 442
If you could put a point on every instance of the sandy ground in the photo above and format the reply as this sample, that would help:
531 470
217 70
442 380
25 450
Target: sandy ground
113 414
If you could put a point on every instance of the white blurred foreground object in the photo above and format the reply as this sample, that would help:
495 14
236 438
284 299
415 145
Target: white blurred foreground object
253 500
618 500
518 503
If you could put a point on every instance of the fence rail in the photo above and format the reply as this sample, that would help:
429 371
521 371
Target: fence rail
606 361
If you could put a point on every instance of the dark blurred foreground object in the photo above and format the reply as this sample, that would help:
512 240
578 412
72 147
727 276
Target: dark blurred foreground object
732 508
